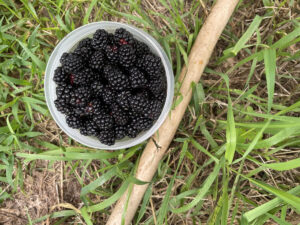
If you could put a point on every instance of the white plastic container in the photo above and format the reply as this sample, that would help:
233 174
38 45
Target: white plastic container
68 44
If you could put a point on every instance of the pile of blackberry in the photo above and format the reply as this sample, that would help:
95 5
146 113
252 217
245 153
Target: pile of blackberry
111 86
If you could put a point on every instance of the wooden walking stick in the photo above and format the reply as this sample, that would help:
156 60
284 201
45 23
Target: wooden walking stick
153 152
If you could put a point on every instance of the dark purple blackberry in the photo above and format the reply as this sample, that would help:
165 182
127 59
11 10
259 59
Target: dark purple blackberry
104 121
60 76
97 89
111 39
64 92
90 129
100 39
63 57
122 99
131 131
72 63
108 96
152 65
139 62
108 70
120 117
112 53
97 60
106 137
139 104
155 108
141 48
117 80
123 37
120 132
141 123
93 108
62 106
74 121
84 49
162 96
137 78
82 77
126 55
80 97
158 85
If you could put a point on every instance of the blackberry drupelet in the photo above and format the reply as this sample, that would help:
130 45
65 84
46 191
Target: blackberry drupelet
127 56
74 121
107 137
120 117
122 98
60 76
97 60
104 121
137 78
100 39
72 63
118 81
82 77
123 37
141 48
84 49
120 132
112 54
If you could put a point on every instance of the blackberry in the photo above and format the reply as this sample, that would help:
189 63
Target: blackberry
60 76
72 63
100 39
118 81
80 97
123 37
84 48
108 70
142 124
108 96
97 60
120 132
62 106
139 104
122 99
106 137
112 53
155 108
82 77
120 117
152 65
111 39
104 121
131 131
63 57
93 108
156 86
162 96
64 92
141 48
137 78
74 121
90 129
126 55
97 89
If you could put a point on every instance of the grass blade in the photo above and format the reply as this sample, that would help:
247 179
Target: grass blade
270 67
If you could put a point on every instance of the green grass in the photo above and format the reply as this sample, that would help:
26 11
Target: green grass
235 156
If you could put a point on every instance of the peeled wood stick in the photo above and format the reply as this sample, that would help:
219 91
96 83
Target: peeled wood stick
154 151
